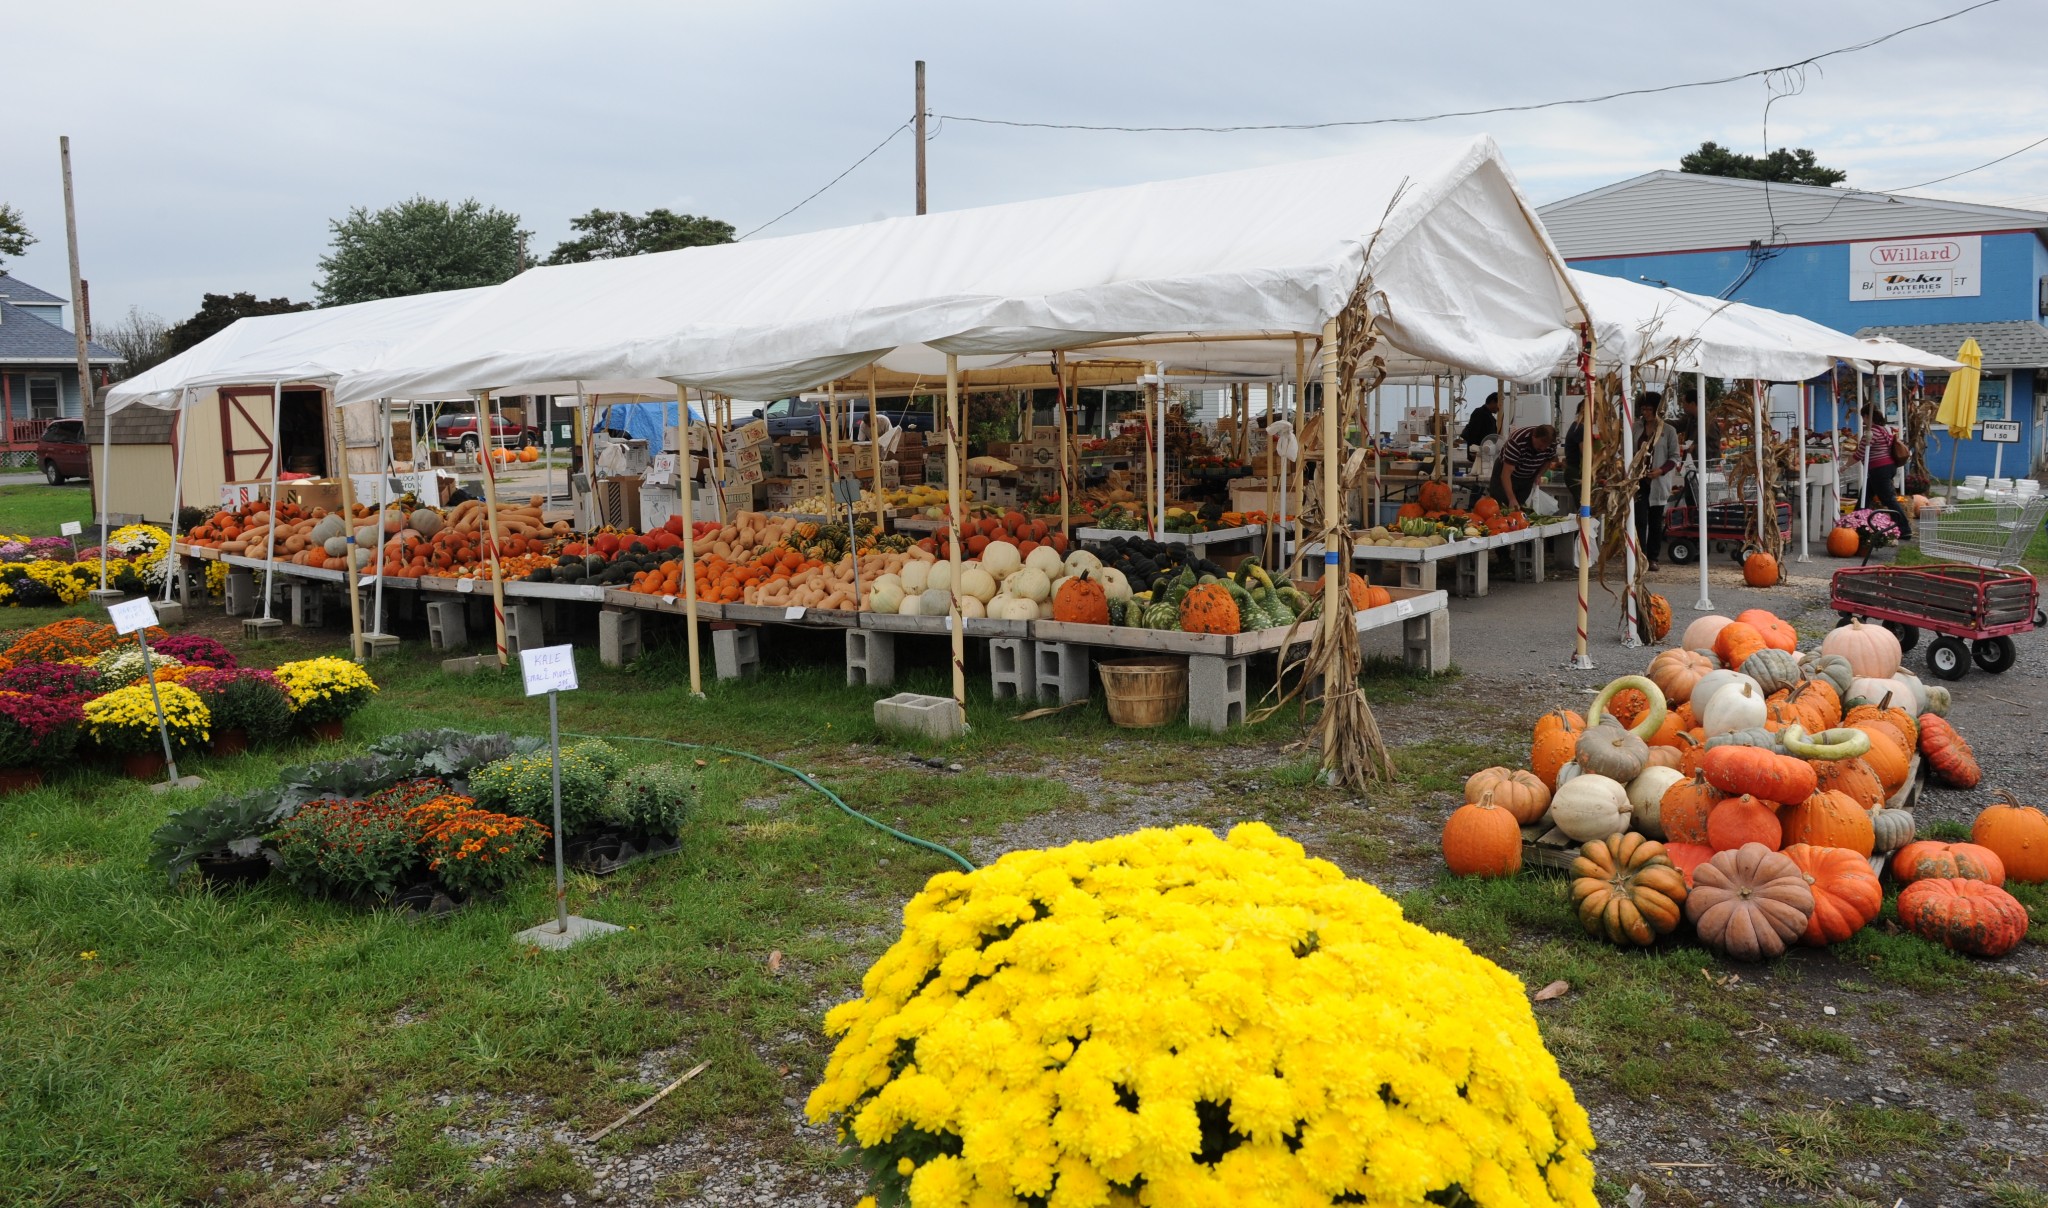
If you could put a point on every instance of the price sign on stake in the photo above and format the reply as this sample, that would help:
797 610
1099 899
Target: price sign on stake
136 617
548 669
70 528
131 615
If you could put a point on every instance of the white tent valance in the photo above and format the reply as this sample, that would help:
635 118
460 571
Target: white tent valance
1468 275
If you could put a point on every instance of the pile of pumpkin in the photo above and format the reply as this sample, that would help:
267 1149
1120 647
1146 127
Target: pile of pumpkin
1742 786
413 541
1433 502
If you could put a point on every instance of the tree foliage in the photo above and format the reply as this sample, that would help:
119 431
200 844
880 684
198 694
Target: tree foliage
141 338
417 247
609 234
1779 167
215 312
14 233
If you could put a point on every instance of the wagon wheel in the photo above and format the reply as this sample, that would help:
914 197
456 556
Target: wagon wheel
1948 658
1994 654
1908 635
1682 550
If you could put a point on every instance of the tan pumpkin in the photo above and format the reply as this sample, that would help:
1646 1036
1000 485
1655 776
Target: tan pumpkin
1482 840
1828 819
1665 756
1872 650
1518 792
1700 634
1626 890
2017 834
1676 671
1749 903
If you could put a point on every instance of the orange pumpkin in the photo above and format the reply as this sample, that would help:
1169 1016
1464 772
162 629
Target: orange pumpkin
2017 834
1555 742
1889 755
1853 778
1081 601
1677 672
1743 820
1755 772
1518 792
1434 496
1482 840
1968 916
1659 617
1487 508
1685 809
1736 642
1208 608
1828 819
1846 894
1954 763
1409 511
1925 858
1776 634
1759 569
1843 542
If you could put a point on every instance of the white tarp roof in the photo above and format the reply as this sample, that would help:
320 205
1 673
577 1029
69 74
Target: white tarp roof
311 346
1470 280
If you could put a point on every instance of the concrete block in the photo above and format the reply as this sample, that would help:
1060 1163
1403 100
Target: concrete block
261 627
309 602
933 717
870 658
469 664
1010 671
618 638
191 580
1426 642
550 935
169 613
1529 561
447 625
1470 573
376 645
736 651
108 596
523 629
1216 692
241 592
1061 671
1420 575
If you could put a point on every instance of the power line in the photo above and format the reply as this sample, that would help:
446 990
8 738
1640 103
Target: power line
835 180
1434 117
1979 168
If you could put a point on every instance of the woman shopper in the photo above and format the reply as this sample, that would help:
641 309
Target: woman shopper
1660 442
1883 453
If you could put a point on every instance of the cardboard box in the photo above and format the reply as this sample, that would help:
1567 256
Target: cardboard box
616 501
236 494
657 504
748 472
310 493
752 433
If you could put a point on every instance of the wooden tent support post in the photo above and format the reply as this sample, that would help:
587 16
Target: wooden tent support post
1330 470
955 456
874 458
1581 660
1059 366
488 425
348 531
689 550
177 487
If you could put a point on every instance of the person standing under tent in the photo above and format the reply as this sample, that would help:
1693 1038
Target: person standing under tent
1523 458
1660 442
1484 422
1882 453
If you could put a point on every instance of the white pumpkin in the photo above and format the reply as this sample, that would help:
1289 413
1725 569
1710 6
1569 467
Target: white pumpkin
1006 607
1876 690
935 602
1080 560
1030 582
1646 798
1918 691
1590 807
1740 707
915 576
1872 650
977 585
1045 610
1046 559
330 528
909 606
1701 633
1115 585
886 595
971 607
940 576
1711 683
425 521
1000 558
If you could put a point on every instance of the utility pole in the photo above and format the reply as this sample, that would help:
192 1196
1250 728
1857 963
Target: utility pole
78 313
920 147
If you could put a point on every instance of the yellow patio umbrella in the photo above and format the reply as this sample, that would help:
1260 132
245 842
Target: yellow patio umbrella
1959 400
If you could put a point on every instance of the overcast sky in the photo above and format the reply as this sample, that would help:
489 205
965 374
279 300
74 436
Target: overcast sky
212 142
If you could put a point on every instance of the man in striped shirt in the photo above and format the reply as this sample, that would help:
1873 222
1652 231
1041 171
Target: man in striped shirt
1523 458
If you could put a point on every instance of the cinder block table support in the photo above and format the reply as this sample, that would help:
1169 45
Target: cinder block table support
1060 671
1216 692
870 658
936 718
1470 576
736 651
1011 676
447 624
309 602
618 637
1426 642
241 592
523 629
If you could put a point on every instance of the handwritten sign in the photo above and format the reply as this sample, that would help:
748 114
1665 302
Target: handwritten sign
131 615
548 669
70 528
794 612
1404 608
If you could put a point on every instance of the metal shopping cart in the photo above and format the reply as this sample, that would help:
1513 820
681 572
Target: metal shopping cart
1989 532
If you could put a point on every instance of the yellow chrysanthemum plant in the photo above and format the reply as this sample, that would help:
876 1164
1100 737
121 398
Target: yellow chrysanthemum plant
326 688
1170 1018
124 721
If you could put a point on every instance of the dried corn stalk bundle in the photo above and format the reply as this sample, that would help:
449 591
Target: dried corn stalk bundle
1737 411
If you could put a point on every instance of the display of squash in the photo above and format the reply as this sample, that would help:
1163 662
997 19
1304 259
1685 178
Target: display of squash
1749 903
1481 839
2017 834
1590 806
1846 894
1931 859
1518 792
1972 917
1828 819
1626 890
1872 650
1948 754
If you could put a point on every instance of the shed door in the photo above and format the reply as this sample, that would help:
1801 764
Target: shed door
245 445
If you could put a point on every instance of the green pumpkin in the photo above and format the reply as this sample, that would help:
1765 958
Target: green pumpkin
1893 828
1830 667
1163 615
1755 736
1773 670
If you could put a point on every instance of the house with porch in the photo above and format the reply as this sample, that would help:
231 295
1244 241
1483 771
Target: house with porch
38 367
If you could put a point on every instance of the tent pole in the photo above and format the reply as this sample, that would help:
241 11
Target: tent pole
1581 661
384 501
106 482
689 547
488 425
177 489
1329 471
1863 430
1799 438
1269 551
1765 513
955 620
1159 447
1835 443
1059 368
1632 634
1699 489
714 445
1145 408
276 456
1300 466
875 443
350 543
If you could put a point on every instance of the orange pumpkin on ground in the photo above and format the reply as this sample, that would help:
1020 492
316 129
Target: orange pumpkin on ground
1954 763
1926 859
1518 792
1843 542
1482 840
1968 916
2017 834
1760 570
1846 894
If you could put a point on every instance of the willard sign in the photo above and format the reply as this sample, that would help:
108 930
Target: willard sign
1940 266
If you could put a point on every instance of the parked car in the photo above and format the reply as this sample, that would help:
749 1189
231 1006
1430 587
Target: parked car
802 417
62 451
460 432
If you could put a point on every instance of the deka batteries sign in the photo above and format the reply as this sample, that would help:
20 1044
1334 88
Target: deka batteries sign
1940 266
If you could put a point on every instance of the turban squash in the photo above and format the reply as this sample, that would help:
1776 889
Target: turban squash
1626 889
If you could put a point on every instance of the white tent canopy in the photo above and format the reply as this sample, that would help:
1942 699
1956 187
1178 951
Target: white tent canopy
1468 275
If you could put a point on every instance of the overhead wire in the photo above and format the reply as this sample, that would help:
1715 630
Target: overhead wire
1979 168
820 191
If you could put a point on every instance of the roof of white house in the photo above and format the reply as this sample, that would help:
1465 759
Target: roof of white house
1681 212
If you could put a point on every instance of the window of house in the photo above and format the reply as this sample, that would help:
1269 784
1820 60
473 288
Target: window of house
45 398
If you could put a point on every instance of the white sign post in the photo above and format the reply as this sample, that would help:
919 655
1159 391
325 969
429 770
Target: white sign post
2000 433
136 616
70 528
552 670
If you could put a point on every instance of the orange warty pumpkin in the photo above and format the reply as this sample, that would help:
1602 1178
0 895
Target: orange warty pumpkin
1829 819
1208 608
1684 809
1482 840
1930 858
1409 511
1760 570
1850 777
1755 772
1659 617
1954 763
1846 894
2018 834
1967 916
1556 741
1736 642
1081 601
1434 497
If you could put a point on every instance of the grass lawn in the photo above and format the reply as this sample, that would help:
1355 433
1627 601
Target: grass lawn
36 509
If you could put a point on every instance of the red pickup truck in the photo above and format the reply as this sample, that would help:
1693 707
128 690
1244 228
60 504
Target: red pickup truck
460 432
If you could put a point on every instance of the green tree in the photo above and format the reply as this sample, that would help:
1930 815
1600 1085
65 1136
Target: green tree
215 312
609 234
14 236
1779 167
418 247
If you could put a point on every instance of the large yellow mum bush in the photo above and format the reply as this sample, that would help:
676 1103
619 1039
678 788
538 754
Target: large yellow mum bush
1169 1018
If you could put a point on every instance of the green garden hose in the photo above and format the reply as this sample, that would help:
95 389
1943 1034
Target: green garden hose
965 864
